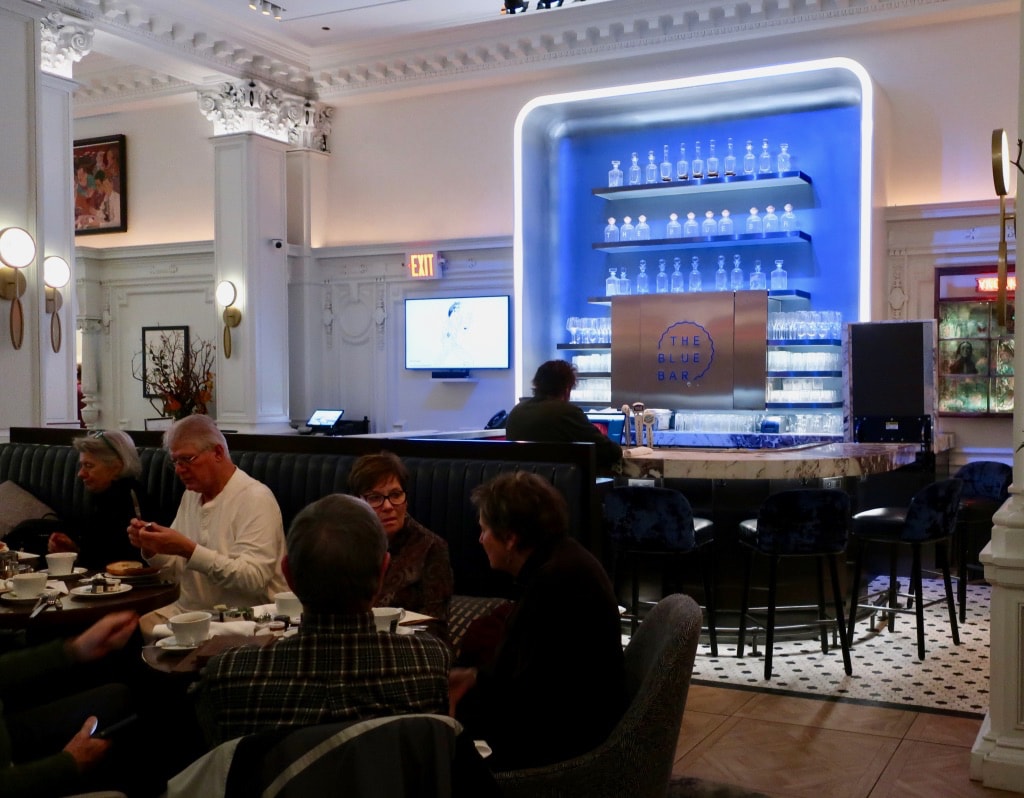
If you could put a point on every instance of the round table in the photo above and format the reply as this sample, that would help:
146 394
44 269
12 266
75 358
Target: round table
78 613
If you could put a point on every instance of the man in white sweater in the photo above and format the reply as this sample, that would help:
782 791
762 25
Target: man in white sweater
226 543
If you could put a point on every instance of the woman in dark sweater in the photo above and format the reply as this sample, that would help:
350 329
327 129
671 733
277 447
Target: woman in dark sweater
109 467
557 685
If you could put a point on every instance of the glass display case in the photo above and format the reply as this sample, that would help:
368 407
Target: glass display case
975 352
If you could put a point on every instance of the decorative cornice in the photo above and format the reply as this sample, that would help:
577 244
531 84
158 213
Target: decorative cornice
523 44
62 43
252 106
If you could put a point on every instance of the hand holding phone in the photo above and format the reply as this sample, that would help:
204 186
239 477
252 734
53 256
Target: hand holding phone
106 732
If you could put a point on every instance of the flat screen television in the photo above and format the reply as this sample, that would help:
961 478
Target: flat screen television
456 334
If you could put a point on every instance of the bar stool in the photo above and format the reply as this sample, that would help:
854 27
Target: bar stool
647 523
929 520
986 488
809 522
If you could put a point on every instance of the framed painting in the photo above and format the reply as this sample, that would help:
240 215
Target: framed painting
163 354
100 185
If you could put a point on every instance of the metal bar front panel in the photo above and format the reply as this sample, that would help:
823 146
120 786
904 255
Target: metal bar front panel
749 342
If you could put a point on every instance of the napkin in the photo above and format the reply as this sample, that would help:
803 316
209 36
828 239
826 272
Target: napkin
246 628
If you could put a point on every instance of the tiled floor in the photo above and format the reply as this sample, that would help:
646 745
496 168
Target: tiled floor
793 747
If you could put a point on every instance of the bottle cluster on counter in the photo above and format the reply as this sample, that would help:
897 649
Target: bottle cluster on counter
618 282
697 168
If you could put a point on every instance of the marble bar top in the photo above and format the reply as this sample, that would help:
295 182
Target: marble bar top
806 462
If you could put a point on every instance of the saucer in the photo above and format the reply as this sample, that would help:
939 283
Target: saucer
171 644
85 592
76 571
13 599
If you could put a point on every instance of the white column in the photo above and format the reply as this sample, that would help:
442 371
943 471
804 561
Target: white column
997 759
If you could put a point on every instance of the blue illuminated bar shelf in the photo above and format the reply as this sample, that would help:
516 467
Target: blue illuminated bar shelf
740 240
706 185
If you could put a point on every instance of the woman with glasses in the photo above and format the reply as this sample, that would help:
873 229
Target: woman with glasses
419 577
109 467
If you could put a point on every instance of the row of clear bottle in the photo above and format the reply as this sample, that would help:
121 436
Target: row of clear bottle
723 226
618 283
698 168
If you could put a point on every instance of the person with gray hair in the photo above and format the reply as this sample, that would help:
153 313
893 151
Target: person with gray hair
109 467
338 667
226 543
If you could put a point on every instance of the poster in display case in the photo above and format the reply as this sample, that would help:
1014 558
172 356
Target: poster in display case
975 359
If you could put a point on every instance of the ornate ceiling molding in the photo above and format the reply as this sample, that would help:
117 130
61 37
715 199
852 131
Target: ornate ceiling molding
510 46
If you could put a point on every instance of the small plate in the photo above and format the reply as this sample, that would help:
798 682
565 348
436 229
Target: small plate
13 599
76 571
135 580
85 592
171 644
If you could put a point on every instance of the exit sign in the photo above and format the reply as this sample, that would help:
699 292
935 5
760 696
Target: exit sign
424 265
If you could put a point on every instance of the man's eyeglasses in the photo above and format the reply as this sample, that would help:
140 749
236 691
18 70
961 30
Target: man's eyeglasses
396 498
184 462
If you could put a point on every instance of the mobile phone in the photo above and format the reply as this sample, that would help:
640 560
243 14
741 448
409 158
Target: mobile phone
107 732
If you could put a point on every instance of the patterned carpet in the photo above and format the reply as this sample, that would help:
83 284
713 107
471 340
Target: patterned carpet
951 679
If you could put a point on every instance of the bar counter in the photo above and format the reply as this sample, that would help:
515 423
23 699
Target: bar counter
814 461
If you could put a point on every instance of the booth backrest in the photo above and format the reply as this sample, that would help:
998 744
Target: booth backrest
442 478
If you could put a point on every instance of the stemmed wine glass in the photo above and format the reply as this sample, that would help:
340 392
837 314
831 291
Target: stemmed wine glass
572 324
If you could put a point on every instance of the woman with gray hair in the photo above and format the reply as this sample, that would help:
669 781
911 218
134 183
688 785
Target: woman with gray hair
109 467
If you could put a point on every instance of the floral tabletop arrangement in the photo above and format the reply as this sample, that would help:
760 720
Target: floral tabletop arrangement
177 374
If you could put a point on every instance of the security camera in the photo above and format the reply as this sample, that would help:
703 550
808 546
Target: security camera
277 242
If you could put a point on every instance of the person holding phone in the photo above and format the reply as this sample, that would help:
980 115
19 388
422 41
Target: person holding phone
50 749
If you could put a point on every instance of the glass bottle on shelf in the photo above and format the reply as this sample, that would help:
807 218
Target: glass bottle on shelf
721 278
677 276
757 277
611 283
615 175
666 167
627 232
682 165
611 231
783 160
652 168
788 221
709 227
634 171
643 230
765 162
625 288
712 159
736 281
690 228
729 162
697 164
779 278
771 221
673 229
749 161
725 224
643 285
661 281
754 224
694 282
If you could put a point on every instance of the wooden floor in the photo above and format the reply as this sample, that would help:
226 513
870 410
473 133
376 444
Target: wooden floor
792 747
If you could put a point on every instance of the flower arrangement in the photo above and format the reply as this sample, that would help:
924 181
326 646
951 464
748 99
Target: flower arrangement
178 374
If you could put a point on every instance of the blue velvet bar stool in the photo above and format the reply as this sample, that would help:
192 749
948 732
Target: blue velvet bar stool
657 524
808 522
986 488
928 521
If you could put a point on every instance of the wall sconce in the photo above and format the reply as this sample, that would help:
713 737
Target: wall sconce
226 295
1001 181
56 275
17 250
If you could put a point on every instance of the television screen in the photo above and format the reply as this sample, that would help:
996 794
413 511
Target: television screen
465 332
324 418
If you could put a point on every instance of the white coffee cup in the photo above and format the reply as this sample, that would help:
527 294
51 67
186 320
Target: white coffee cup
287 603
190 628
387 618
30 585
61 564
